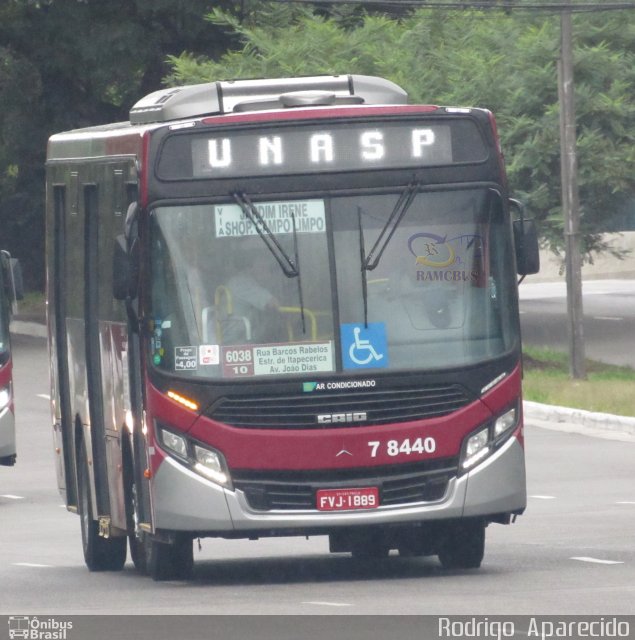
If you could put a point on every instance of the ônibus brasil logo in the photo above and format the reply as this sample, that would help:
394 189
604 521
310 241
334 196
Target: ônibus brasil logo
37 628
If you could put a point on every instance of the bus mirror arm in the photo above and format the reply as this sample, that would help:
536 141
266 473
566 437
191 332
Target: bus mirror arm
525 242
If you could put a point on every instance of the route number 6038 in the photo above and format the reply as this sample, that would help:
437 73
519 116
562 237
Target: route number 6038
406 447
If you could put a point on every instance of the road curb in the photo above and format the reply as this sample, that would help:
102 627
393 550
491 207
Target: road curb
27 328
578 420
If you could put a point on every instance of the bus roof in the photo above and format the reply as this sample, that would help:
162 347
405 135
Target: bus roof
228 99
220 98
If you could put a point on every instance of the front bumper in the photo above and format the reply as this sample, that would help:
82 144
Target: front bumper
184 501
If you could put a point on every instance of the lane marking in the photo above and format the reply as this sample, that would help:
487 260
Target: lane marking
45 396
543 497
612 318
626 502
11 497
329 604
31 564
596 560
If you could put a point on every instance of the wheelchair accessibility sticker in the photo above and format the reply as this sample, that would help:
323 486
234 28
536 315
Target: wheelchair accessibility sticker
364 347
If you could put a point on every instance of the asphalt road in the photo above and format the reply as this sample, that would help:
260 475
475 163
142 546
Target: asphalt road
573 552
609 318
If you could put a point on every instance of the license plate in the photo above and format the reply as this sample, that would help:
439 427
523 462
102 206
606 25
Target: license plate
347 499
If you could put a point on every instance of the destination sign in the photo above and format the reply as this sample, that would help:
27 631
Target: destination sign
303 216
321 148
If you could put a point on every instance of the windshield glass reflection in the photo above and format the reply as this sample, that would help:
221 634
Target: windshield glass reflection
440 291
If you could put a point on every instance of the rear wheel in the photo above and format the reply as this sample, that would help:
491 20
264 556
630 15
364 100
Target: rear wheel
463 545
100 554
169 560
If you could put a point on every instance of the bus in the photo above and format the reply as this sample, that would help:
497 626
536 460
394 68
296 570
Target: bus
286 307
10 291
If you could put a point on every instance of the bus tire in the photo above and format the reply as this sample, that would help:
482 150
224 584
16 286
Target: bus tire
463 545
137 540
8 461
169 560
100 554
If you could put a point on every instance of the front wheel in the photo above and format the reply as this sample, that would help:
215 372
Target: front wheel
100 554
169 560
137 539
463 545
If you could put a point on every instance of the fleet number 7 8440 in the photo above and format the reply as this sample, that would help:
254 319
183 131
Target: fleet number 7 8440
393 448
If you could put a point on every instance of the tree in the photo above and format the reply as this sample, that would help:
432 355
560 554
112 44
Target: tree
504 61
71 63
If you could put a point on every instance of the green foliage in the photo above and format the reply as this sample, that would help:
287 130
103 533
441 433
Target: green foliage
506 62
71 63
280 41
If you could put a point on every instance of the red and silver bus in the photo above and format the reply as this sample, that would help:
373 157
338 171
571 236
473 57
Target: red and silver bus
286 307
10 291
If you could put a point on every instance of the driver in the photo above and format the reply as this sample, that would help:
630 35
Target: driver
252 298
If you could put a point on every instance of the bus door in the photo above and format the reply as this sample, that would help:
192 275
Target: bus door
106 338
89 346
108 348
65 373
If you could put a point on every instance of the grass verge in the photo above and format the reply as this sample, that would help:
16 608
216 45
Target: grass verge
607 389
33 303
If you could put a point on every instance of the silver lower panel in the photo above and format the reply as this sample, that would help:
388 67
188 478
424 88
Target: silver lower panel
7 433
185 501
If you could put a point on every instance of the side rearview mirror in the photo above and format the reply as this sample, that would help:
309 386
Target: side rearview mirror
527 249
525 241
125 269
125 258
12 272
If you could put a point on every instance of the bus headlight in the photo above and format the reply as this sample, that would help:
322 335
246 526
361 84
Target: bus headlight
210 463
201 458
505 422
480 444
476 448
175 442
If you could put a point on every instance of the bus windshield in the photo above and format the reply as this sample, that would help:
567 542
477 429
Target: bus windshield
400 281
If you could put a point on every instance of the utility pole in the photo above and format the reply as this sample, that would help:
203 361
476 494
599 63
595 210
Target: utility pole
570 199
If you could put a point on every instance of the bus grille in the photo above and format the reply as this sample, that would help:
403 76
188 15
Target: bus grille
287 490
381 406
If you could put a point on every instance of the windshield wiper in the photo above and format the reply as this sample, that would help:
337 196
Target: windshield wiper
394 220
370 261
364 269
290 267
